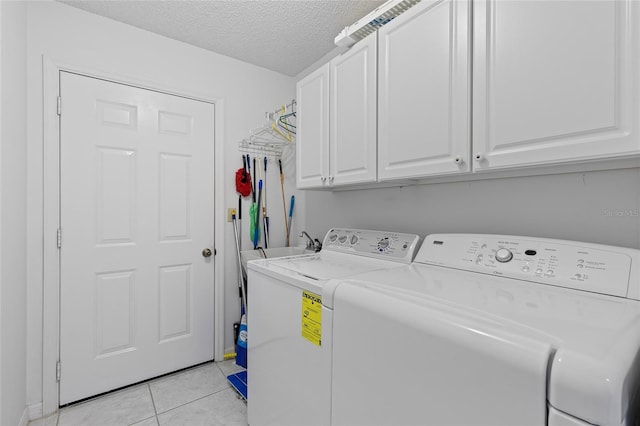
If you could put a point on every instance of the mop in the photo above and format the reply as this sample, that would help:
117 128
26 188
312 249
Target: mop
239 380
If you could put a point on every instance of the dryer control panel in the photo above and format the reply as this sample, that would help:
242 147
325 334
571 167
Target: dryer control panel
590 267
394 246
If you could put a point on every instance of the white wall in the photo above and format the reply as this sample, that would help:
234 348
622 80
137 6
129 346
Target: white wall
73 37
599 207
13 181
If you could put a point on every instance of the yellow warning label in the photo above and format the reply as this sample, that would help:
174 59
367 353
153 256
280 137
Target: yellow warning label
312 317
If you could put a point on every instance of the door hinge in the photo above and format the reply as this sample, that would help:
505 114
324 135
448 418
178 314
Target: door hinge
59 236
59 105
58 368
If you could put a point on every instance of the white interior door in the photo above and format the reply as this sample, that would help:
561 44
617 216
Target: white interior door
136 208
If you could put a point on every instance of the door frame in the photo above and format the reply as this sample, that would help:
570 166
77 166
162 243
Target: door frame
51 213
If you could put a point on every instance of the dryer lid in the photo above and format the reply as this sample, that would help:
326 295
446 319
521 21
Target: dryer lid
595 339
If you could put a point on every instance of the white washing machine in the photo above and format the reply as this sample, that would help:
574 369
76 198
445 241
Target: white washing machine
289 344
492 330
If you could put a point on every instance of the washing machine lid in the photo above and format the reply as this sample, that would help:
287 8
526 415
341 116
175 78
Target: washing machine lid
326 266
595 338
313 271
345 252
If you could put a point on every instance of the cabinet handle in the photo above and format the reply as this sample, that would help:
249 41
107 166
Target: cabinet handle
322 178
330 178
479 156
458 160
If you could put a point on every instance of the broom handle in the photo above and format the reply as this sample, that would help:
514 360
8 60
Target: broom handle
243 295
284 203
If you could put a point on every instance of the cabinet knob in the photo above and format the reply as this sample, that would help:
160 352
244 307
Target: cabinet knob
330 178
458 160
478 156
322 178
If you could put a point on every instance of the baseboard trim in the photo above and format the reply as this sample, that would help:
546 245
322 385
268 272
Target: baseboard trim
35 411
230 350
24 419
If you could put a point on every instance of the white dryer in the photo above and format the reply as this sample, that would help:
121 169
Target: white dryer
289 343
492 330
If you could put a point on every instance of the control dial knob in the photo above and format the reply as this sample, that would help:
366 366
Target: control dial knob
383 244
504 255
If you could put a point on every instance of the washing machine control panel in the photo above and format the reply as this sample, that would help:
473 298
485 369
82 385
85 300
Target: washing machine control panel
589 267
388 245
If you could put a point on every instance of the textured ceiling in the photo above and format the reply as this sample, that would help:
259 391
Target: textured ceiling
282 35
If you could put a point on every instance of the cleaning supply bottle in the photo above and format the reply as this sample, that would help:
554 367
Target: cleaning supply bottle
241 345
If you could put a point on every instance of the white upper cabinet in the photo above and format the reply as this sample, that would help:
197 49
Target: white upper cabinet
312 150
554 81
337 120
549 83
353 115
424 91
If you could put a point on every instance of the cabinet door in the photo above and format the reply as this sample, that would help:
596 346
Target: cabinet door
312 146
353 140
554 82
424 94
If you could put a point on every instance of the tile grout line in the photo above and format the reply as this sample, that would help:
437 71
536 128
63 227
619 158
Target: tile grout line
139 421
228 386
153 402
193 400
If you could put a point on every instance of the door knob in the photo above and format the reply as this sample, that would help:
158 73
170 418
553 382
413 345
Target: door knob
207 252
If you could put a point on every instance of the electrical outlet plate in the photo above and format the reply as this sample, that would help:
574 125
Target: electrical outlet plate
230 212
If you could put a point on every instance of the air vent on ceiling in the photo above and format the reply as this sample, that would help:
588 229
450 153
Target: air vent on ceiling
371 22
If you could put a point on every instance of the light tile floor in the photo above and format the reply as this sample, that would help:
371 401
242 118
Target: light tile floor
197 396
